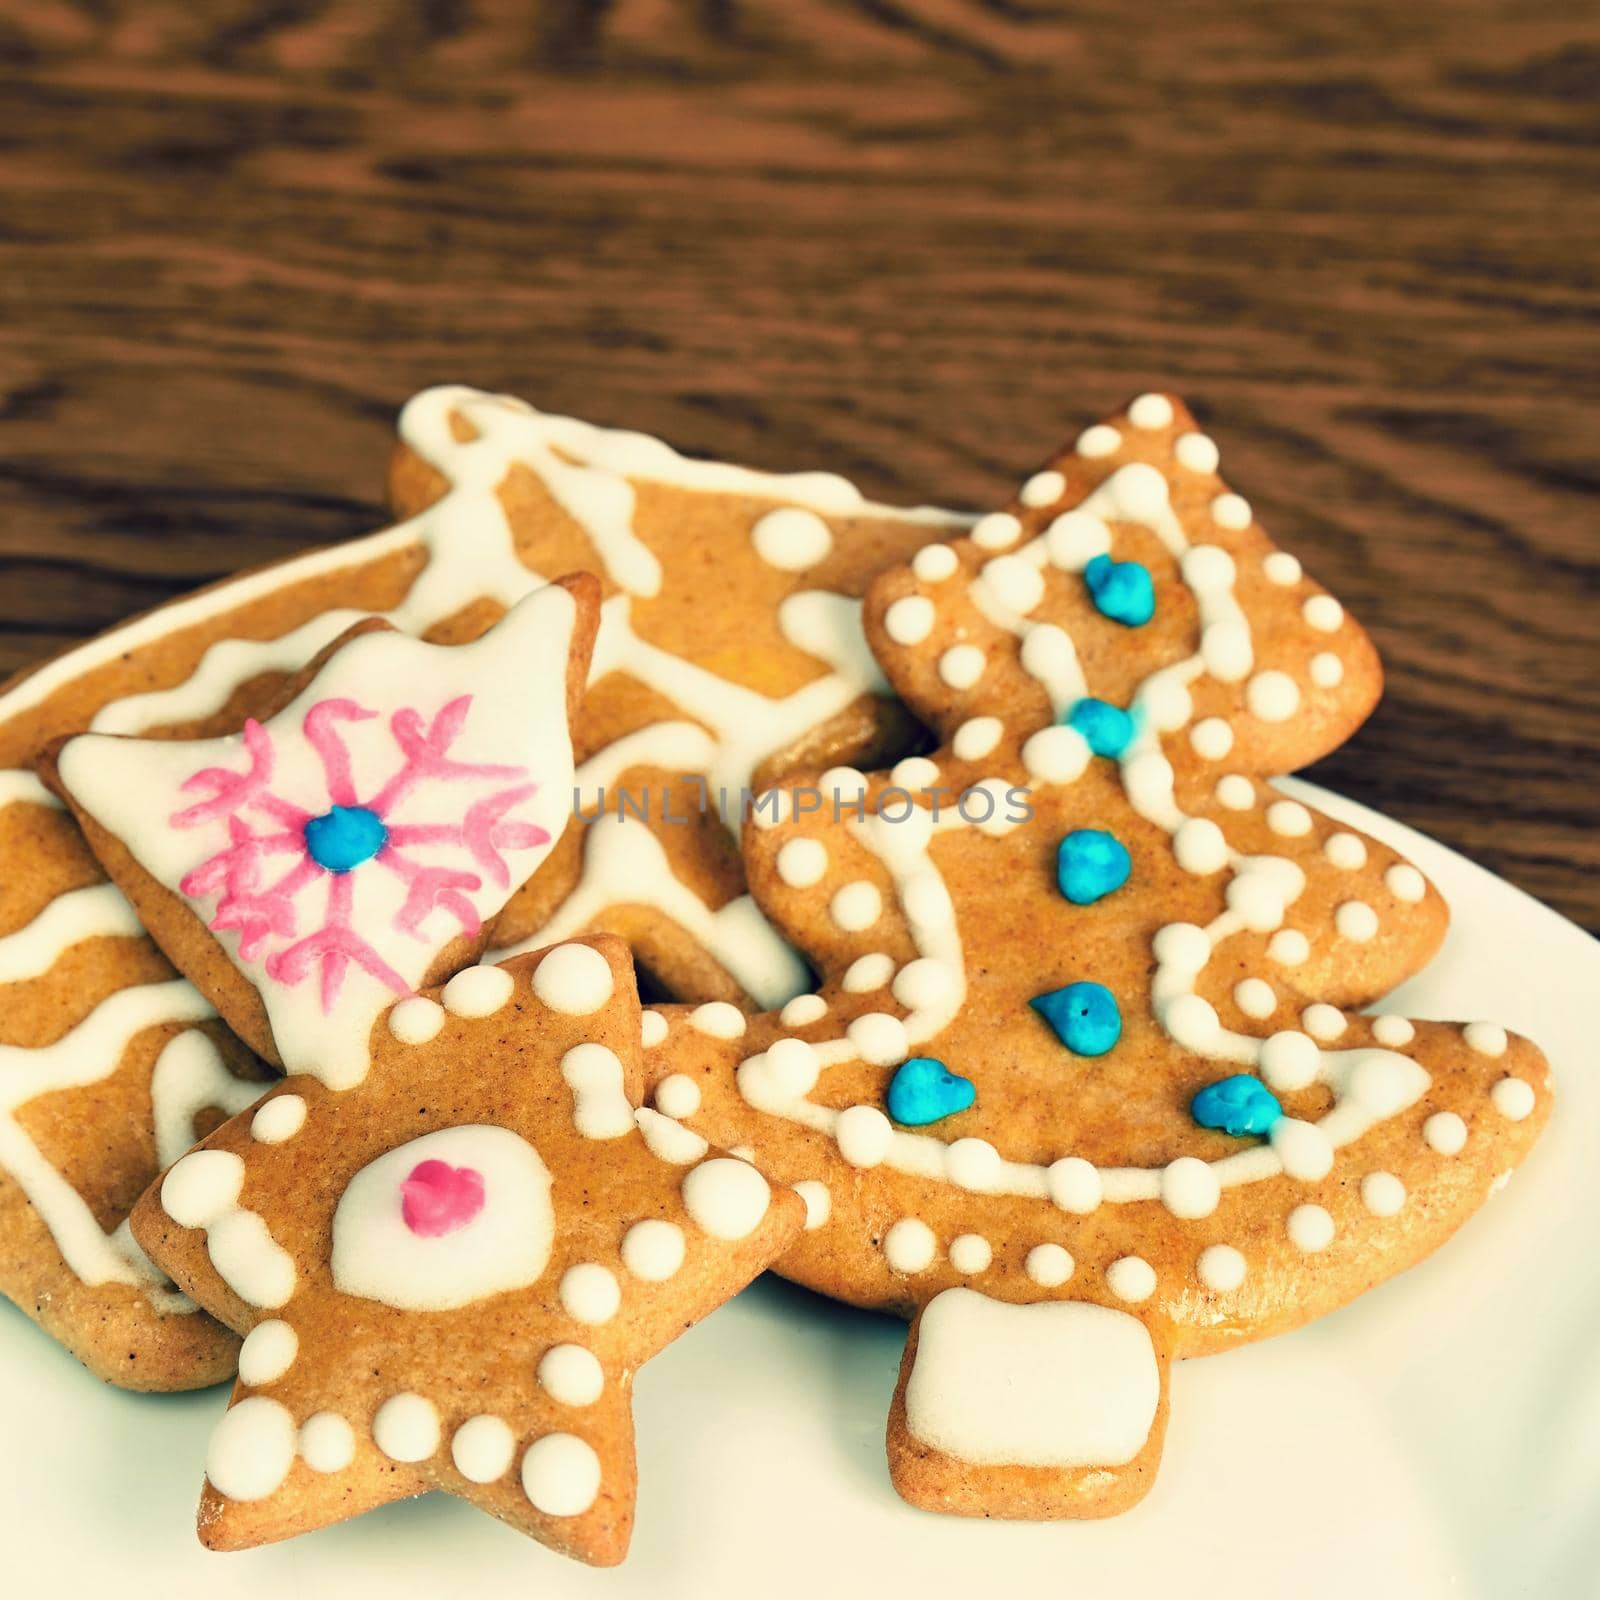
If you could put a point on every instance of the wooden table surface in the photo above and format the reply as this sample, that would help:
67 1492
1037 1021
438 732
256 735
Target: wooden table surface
918 241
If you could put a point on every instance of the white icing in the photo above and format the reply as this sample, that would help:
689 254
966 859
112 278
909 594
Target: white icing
933 563
1445 1133
1356 921
802 862
1196 452
252 1449
478 992
97 912
961 666
1323 613
971 1253
571 1375
1513 1098
652 1029
1393 1031
1289 819
1487 1038
1090 1396
791 538
1042 489
677 1095
1310 1228
561 1475
1404 882
1281 568
727 1198
977 737
1049 1265
406 1427
593 1073
590 1293
653 1249
1383 1194
1221 1268
868 973
856 906
1099 441
909 1246
1151 411
327 1442
909 620
191 1075
668 1140
279 1120
1345 851
202 1187
574 979
803 1010
818 1200
483 1448
416 1019
249 1260
1211 738
1131 1278
505 1245
1326 669
998 530
268 1351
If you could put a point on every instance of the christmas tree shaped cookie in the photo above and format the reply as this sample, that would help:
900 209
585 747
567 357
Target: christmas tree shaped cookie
447 1274
353 846
1084 1088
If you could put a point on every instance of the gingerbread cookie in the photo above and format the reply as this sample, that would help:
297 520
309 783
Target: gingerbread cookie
1082 1090
353 847
750 661
447 1275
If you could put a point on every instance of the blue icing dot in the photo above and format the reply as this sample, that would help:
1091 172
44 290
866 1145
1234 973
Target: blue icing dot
344 837
924 1090
1090 863
1238 1105
1084 1016
1121 590
1107 729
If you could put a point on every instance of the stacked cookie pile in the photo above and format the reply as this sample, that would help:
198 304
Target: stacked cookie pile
1045 1036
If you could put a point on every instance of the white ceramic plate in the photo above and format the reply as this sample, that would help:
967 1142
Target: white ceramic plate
1441 1437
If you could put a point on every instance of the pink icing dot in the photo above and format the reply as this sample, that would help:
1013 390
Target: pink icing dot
437 1198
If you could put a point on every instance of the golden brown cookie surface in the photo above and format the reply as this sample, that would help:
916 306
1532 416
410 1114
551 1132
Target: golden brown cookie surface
449 1272
1081 1091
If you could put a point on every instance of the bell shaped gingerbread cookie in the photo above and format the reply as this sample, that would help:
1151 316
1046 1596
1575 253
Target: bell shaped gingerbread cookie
447 1275
1085 1087
355 845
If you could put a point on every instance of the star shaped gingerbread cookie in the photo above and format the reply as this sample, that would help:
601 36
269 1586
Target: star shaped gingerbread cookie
447 1274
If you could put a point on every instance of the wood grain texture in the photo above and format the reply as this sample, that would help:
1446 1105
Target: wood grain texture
919 241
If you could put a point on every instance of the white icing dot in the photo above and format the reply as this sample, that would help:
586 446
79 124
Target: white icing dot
1303 1148
1230 511
1074 539
249 1260
974 739
1043 489
202 1187
803 1010
1272 696
923 984
1197 452
561 1475
1189 1188
909 1246
1049 1265
879 1038
819 1202
791 538
1099 441
1226 650
868 973
793 1065
677 1095
718 1019
802 862
1310 1229
653 1249
970 1253
1322 1021
406 1428
1199 846
933 563
728 1198
1074 1185
1345 851
1487 1038
1288 947
652 1029
1382 1194
1015 581
962 665
1290 1060
973 1164
1211 738
1131 1278
1356 920
1221 1268
1255 997
669 1140
590 1293
1183 946
997 531
327 1442
844 783
1445 1132
416 1020
1192 1022
1393 1031
1236 792
251 1449
1404 882
1281 568
279 1120
267 1353
1323 613
1151 411
1289 818
479 991
1513 1098
909 620
856 906
482 1449
1327 670
1380 1084
571 1375
1140 493
1056 755
573 978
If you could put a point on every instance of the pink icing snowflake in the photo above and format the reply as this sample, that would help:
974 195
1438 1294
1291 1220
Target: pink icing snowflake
330 848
